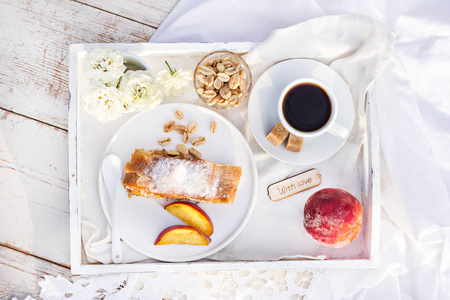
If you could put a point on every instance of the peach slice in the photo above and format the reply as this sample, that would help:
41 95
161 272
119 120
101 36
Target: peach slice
192 215
182 235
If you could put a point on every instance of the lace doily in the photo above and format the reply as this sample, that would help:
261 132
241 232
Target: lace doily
245 284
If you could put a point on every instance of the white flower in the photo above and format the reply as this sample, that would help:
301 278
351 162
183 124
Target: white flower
103 65
175 83
104 102
140 90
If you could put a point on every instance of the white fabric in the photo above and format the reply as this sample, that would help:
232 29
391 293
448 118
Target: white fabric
414 117
97 245
414 114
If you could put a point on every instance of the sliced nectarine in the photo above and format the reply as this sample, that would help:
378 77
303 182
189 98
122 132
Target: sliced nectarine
182 235
192 215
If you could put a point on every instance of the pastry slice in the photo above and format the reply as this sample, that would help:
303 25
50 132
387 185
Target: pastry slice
154 174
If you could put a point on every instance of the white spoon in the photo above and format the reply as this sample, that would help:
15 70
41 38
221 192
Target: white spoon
112 175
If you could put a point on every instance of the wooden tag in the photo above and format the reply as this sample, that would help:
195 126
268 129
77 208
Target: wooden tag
293 185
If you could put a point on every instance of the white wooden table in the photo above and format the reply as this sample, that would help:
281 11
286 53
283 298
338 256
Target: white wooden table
34 46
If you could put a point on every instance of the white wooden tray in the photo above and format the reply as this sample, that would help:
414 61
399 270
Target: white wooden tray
86 146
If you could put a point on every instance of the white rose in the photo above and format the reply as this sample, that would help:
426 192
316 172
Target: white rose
103 65
104 102
140 90
175 83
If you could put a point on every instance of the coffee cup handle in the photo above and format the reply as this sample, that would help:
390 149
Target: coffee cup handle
338 130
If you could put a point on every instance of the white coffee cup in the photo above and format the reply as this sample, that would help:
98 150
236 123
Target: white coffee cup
307 107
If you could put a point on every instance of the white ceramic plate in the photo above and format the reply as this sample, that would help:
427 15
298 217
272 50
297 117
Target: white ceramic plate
141 219
262 110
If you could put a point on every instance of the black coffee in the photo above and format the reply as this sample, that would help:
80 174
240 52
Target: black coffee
307 107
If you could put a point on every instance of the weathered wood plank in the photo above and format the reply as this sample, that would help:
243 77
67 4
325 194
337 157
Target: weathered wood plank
34 187
148 12
20 273
36 36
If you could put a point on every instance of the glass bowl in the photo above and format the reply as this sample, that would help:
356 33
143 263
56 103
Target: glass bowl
223 79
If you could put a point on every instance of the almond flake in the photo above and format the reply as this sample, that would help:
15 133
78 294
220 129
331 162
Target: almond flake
180 129
173 153
183 150
195 153
193 127
164 141
198 141
186 137
213 126
169 126
179 115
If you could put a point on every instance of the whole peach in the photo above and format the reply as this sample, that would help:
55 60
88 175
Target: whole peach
333 217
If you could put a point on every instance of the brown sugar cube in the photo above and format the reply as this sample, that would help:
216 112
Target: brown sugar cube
294 143
277 135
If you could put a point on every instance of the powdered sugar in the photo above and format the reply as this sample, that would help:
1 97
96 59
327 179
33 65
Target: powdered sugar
180 176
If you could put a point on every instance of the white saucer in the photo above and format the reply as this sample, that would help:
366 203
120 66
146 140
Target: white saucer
262 110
